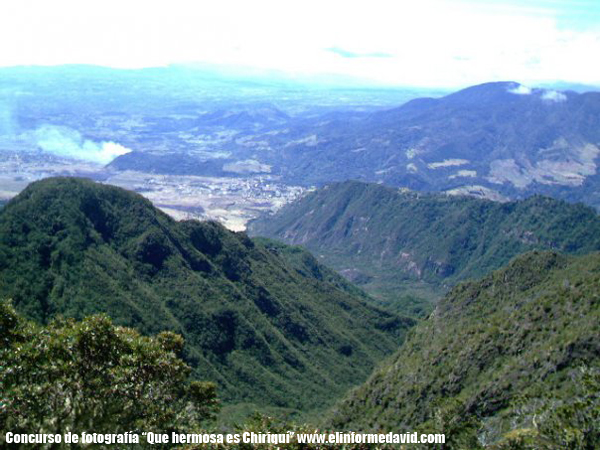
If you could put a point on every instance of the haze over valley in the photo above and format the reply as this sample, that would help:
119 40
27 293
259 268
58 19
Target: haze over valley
203 145
185 137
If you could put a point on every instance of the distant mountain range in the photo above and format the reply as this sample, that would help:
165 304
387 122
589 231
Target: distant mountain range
511 358
496 140
500 140
406 247
265 321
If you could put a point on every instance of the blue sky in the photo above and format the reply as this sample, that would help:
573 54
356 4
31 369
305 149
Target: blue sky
437 43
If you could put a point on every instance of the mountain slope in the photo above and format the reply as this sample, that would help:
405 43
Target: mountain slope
507 138
267 323
387 239
495 356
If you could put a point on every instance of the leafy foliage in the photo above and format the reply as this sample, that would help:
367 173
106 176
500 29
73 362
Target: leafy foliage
269 325
406 246
573 423
92 375
499 360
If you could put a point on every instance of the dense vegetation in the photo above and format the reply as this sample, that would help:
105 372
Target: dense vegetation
510 361
97 378
265 322
391 241
91 375
485 386
507 362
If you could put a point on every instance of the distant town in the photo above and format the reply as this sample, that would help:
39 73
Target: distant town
229 200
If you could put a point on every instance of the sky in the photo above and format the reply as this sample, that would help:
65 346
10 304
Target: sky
429 43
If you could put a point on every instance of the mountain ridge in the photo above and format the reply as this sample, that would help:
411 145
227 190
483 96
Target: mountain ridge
388 239
256 316
501 359
503 136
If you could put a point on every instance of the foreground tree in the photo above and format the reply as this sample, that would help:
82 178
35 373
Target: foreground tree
96 377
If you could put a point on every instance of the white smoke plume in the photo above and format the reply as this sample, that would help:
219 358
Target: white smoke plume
7 121
69 143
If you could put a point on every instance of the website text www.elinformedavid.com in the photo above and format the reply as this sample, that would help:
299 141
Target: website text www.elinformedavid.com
150 438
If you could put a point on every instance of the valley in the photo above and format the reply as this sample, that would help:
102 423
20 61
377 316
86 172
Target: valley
184 248
232 201
408 248
230 149
183 137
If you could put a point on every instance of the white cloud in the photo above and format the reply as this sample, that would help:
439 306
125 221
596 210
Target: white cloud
520 90
431 42
554 96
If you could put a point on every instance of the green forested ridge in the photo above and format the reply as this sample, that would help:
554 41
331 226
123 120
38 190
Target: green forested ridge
511 358
267 323
506 362
402 245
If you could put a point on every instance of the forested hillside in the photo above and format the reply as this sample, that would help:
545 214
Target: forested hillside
267 323
511 357
407 247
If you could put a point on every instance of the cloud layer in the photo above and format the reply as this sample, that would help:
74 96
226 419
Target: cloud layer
426 43
520 89
548 95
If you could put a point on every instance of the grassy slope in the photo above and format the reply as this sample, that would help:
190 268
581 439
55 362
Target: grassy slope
393 242
500 347
269 329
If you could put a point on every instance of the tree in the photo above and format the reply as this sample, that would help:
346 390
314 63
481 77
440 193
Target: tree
94 376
